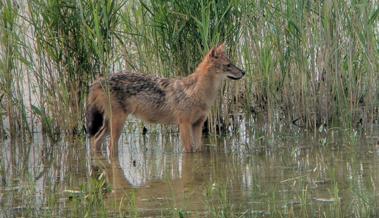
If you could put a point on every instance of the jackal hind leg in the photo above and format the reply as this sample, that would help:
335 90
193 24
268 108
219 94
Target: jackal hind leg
117 124
97 140
185 129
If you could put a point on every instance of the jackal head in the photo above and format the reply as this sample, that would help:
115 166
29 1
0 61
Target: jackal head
221 64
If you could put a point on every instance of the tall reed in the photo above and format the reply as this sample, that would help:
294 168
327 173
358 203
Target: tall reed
308 63
13 62
74 41
314 61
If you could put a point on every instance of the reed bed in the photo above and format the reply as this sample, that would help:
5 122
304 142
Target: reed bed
310 64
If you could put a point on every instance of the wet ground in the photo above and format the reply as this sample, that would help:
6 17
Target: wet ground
245 174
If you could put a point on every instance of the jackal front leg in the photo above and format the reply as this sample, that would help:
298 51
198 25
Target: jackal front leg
197 132
97 140
117 125
185 129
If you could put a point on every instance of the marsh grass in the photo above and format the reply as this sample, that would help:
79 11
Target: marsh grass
218 202
308 64
73 42
12 64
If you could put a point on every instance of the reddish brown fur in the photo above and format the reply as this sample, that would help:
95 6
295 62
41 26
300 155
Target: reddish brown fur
185 101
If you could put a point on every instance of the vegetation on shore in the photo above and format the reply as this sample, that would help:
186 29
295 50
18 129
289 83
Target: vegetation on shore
308 64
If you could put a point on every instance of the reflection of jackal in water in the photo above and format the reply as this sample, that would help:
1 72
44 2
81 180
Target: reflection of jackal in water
185 101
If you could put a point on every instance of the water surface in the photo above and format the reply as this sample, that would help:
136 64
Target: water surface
245 174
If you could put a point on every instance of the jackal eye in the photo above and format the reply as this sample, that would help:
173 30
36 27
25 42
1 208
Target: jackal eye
228 65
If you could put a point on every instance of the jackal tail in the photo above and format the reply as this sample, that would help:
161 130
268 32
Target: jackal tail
95 113
94 119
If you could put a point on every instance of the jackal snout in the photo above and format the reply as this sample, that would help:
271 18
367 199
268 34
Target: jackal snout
233 72
223 65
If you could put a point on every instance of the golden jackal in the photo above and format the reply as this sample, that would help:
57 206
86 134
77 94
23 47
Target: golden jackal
185 101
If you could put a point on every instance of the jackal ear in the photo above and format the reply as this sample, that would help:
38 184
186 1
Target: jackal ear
221 48
213 53
217 51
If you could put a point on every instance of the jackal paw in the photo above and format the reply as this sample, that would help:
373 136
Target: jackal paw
197 149
189 149
193 149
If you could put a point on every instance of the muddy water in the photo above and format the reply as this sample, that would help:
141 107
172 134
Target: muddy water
246 174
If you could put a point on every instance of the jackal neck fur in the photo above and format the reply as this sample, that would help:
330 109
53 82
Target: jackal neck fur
205 83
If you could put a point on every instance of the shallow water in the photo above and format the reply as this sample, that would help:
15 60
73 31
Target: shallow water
246 174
